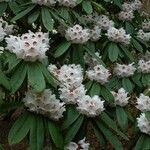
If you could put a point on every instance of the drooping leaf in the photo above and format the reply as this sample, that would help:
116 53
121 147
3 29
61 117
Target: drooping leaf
33 17
127 84
87 6
3 7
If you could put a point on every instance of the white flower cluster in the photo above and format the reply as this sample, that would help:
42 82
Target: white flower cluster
30 46
91 18
143 103
77 34
146 25
5 29
118 35
143 124
90 106
71 77
104 22
67 3
132 6
122 70
126 16
95 33
44 103
143 35
81 145
144 66
99 73
121 97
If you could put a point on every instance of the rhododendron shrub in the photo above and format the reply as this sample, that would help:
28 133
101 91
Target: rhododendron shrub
74 70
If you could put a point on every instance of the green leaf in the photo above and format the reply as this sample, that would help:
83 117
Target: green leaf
111 124
4 81
87 6
127 84
113 51
98 7
146 79
55 134
72 116
72 131
3 7
139 143
35 77
36 133
20 129
18 77
110 136
129 28
107 95
122 117
118 3
95 90
33 17
146 144
23 13
62 48
147 114
137 45
47 20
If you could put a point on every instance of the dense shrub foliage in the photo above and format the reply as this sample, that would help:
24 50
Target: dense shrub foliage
70 66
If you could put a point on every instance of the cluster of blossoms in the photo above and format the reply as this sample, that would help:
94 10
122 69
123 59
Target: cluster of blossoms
72 91
143 104
5 29
144 66
30 46
95 33
81 145
143 35
118 35
77 34
99 73
44 103
126 16
146 25
122 70
121 97
67 3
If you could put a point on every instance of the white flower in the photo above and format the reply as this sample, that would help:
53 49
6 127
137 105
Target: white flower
122 70
90 106
95 33
121 97
68 3
104 22
136 5
143 124
144 66
44 103
81 145
118 35
70 95
2 34
146 25
45 2
77 34
69 75
143 103
127 6
91 18
30 46
126 16
143 35
1 50
99 73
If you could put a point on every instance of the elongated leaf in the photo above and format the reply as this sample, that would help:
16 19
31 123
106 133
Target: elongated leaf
18 77
111 124
71 132
4 81
147 114
55 134
36 133
33 17
146 144
122 117
47 19
62 48
20 129
23 13
3 7
137 45
139 143
72 116
87 6
95 90
110 136
35 77
113 51
127 84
